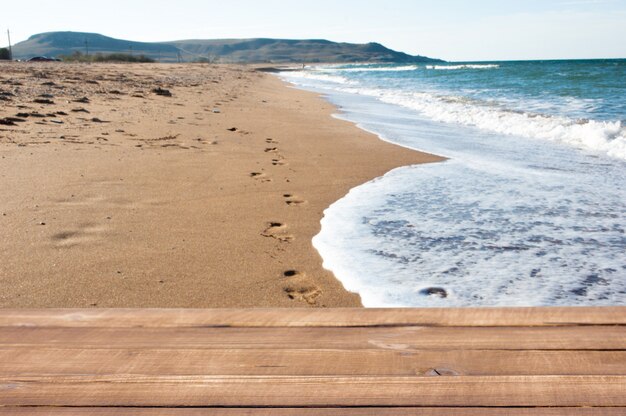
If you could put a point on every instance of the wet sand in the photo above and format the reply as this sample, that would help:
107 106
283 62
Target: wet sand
171 186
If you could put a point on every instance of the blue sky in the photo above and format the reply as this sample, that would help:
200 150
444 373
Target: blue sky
448 29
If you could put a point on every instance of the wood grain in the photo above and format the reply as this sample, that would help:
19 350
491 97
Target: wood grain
20 362
261 391
557 361
390 338
180 318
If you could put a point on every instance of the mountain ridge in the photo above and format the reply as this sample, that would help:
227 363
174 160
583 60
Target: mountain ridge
252 50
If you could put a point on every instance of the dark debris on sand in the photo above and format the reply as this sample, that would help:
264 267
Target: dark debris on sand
162 92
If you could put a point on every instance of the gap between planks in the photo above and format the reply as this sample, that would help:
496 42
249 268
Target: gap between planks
370 411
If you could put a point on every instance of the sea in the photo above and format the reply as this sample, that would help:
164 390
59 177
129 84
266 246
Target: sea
529 209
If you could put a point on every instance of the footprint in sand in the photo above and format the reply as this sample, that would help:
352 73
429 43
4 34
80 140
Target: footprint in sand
300 288
292 200
279 161
260 176
81 235
271 150
308 294
238 130
270 141
277 231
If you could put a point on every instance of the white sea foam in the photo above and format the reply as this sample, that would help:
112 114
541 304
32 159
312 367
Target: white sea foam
377 69
598 136
463 66
607 137
296 76
486 237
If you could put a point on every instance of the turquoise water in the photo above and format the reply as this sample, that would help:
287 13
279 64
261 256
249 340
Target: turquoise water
581 103
576 89
530 208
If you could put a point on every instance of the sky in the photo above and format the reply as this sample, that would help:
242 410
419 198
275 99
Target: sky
454 30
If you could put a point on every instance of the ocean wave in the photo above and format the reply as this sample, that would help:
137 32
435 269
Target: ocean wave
463 66
608 137
499 116
450 235
303 75
377 69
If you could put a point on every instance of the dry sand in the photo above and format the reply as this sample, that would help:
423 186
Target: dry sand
135 199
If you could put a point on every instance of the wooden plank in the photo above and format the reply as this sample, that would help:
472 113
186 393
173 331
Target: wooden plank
180 318
228 391
377 411
551 358
389 338
35 361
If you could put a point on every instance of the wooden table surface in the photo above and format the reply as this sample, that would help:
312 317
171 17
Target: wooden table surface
531 361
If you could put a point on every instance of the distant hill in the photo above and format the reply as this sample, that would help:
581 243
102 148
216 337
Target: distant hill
291 51
65 43
53 44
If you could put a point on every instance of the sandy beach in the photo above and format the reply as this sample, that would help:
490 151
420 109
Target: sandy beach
171 186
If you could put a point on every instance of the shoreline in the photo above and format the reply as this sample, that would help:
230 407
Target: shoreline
152 201
483 213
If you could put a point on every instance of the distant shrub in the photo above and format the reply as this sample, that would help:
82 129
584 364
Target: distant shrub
111 57
5 54
121 57
209 59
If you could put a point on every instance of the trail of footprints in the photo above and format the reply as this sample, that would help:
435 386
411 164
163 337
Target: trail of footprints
277 160
298 286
